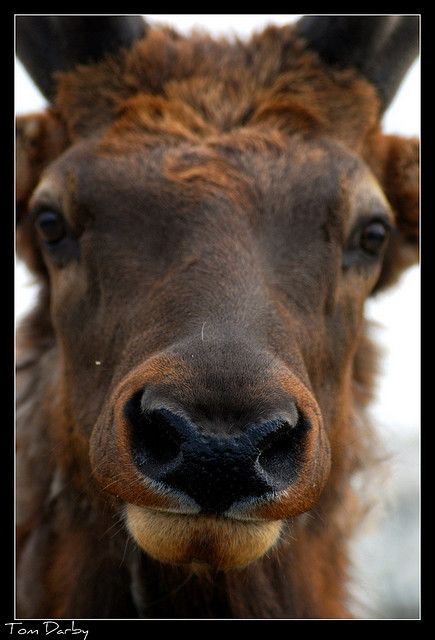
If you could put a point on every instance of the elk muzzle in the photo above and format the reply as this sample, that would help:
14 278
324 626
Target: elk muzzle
198 466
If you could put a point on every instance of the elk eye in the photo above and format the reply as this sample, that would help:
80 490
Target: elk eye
50 226
59 243
373 237
367 242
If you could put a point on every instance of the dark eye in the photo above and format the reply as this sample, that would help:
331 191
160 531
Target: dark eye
50 226
366 243
373 237
58 242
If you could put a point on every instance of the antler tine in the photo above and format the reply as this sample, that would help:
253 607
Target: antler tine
381 47
46 44
343 40
397 55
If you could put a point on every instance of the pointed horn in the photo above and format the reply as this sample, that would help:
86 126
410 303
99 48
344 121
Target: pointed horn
46 44
382 48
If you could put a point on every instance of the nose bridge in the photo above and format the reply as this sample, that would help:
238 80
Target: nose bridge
231 381
234 272
216 290
216 278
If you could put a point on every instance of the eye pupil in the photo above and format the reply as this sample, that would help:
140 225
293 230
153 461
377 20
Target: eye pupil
50 226
373 237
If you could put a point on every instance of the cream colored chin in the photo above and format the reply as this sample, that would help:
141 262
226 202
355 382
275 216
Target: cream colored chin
183 539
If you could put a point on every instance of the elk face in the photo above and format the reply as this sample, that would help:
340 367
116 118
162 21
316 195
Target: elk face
206 296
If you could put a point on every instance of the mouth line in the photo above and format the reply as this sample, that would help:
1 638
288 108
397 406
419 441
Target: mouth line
197 516
238 511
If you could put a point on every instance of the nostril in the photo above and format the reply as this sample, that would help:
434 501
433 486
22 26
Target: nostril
157 438
282 452
154 440
278 448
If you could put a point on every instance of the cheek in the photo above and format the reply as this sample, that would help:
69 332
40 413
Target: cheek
338 338
69 295
82 331
83 315
354 288
358 282
343 328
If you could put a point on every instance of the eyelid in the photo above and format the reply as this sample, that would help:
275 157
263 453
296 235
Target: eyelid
47 193
54 193
40 207
388 224
383 218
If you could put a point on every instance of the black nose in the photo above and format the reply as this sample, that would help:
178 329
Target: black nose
217 471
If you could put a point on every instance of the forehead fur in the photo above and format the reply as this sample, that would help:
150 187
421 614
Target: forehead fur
195 88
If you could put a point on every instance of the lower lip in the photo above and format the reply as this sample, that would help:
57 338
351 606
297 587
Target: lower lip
181 538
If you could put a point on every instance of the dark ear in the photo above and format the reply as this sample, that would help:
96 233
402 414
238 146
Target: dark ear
40 138
400 180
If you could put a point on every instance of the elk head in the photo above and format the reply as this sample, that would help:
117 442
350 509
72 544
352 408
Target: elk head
207 220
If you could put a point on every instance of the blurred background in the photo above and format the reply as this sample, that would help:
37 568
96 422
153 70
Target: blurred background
386 555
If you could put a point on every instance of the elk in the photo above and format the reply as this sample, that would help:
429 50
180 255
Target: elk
206 218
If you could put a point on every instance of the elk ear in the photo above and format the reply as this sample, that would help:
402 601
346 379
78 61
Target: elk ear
400 180
41 138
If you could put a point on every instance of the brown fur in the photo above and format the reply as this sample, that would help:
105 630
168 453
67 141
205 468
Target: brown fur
225 146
